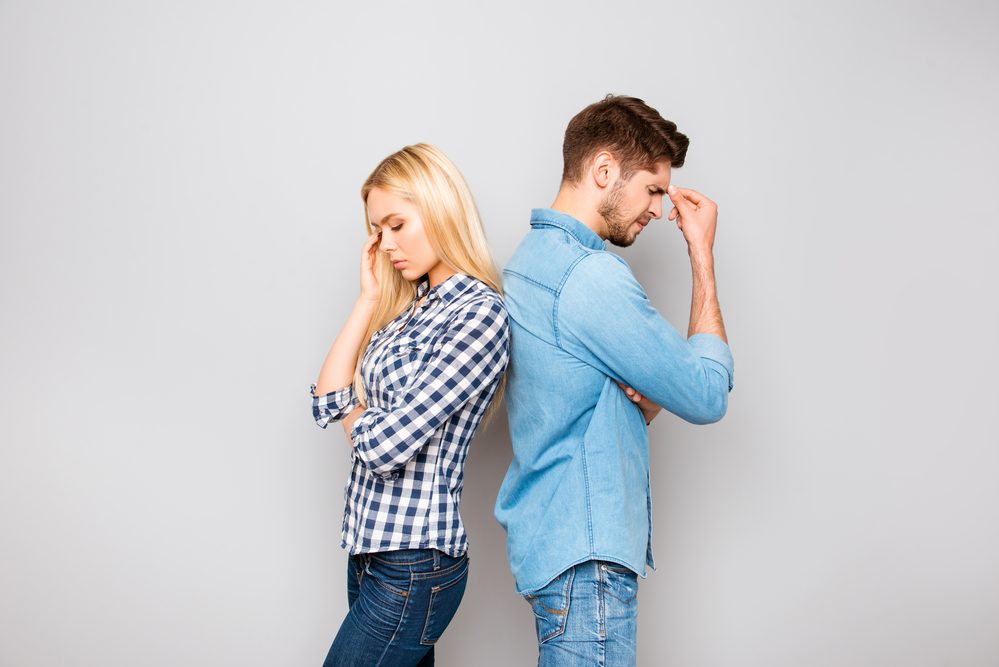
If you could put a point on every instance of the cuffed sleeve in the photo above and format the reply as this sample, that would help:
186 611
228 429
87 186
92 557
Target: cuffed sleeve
468 359
605 319
714 350
333 406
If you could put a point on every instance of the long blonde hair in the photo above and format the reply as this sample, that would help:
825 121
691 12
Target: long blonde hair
423 175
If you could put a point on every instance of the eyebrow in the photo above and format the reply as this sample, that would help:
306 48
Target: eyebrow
384 218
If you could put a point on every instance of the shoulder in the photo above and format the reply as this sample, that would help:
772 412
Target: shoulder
478 301
599 270
601 291
548 255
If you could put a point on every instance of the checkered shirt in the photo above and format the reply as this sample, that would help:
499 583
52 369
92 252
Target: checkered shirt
430 375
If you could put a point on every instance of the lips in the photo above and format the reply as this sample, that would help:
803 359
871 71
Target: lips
398 263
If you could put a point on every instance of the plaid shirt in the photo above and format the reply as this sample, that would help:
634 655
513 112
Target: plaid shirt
430 375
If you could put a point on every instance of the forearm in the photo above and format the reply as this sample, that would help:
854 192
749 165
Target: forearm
338 368
705 313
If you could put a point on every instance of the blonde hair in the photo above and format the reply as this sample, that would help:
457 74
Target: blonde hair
423 175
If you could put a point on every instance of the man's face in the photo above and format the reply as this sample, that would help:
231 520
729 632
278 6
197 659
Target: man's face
631 205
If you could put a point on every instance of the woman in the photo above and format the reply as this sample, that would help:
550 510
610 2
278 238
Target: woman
433 331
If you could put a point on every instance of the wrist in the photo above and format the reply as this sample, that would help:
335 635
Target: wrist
702 263
701 253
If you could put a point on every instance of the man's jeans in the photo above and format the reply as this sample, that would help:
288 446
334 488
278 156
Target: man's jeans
587 616
400 603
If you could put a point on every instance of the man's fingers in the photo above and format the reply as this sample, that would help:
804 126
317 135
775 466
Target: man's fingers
686 199
679 199
693 196
630 392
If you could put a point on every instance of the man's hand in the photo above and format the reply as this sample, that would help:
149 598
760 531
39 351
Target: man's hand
648 408
696 216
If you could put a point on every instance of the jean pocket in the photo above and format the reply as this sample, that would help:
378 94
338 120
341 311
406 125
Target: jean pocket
381 602
551 606
619 582
445 596
395 578
608 566
356 568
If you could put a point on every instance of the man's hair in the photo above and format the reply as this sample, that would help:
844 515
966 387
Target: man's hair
629 129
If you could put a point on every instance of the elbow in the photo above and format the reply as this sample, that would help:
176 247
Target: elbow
381 465
387 471
322 417
710 410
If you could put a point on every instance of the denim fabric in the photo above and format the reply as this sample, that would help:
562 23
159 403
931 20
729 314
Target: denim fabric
400 604
578 486
587 616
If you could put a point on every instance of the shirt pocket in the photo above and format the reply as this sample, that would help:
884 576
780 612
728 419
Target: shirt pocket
402 362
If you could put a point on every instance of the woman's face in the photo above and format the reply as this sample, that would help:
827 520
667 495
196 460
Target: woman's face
403 237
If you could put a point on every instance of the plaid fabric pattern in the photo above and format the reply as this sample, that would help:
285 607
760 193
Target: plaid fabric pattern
430 375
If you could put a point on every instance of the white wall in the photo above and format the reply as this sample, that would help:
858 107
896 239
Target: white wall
180 226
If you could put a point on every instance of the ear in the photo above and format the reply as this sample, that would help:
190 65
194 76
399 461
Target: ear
603 169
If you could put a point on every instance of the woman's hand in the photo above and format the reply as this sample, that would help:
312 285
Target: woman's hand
348 422
338 369
648 408
369 281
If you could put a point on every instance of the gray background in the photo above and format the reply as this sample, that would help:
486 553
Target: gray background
180 231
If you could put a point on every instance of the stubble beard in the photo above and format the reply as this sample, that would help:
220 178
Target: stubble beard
614 218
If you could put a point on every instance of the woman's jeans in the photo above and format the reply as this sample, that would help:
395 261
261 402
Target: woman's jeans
587 617
399 602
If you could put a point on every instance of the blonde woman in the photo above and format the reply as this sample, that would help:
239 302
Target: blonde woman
410 377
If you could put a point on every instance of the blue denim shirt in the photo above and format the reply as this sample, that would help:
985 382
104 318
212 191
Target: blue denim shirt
578 486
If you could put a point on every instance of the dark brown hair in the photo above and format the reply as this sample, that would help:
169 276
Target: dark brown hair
632 131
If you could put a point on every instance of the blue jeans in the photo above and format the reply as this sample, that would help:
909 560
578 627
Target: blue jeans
400 603
587 616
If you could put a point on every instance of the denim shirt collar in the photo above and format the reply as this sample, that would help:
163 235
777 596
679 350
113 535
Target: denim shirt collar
548 217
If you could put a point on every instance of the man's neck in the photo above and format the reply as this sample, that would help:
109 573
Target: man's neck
575 203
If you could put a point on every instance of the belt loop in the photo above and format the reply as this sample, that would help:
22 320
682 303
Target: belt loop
437 559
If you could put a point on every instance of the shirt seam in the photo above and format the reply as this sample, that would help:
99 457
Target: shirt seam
530 280
558 295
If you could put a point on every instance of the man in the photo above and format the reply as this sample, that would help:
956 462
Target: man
592 363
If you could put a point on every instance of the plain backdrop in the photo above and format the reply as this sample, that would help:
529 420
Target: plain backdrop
181 226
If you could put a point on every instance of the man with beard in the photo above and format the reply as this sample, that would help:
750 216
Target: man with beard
592 363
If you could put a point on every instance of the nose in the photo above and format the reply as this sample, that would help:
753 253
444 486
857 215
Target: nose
386 244
656 209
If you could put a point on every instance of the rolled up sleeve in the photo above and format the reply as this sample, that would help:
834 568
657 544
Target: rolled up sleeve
604 318
333 406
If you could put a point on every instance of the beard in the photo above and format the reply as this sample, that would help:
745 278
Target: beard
618 224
